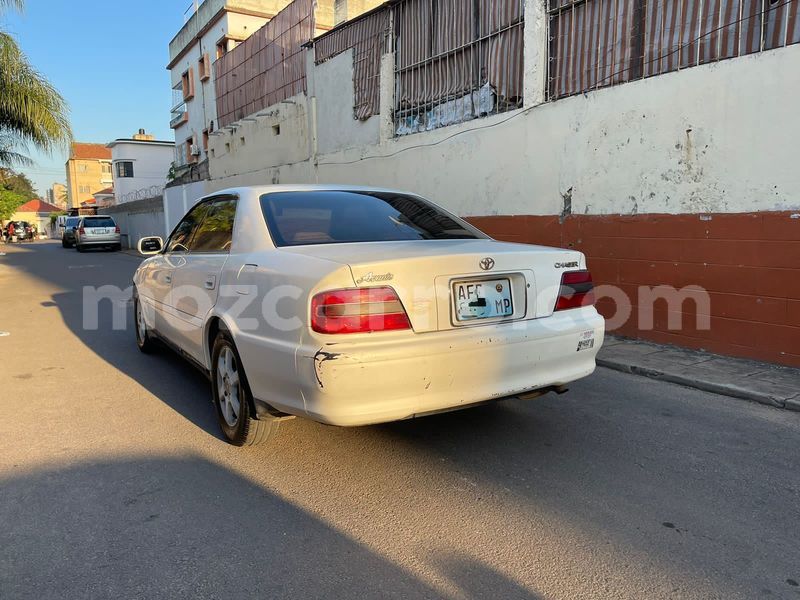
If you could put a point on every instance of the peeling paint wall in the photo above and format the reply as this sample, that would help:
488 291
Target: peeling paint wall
714 138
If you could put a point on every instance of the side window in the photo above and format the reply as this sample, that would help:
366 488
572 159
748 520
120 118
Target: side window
216 231
125 168
179 240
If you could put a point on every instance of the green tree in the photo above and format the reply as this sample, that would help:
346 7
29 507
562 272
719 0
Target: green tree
18 183
32 112
9 203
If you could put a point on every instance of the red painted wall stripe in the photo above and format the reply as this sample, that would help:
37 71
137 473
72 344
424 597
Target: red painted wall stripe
749 263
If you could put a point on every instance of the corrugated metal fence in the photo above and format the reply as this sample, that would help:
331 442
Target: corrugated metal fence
597 43
267 67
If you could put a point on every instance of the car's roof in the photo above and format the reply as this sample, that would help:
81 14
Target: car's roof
96 217
303 187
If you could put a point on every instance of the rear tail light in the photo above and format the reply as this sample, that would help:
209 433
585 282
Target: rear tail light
358 311
81 231
116 229
576 290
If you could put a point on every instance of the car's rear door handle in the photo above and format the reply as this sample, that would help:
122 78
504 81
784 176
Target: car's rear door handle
167 278
211 282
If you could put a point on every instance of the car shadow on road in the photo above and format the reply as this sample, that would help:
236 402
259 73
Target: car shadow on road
181 528
164 373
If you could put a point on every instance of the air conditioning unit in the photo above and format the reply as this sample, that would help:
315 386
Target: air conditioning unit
195 150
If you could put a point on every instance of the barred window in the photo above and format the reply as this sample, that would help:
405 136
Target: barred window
456 60
597 43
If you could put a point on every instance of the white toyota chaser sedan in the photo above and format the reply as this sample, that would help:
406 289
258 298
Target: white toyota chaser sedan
354 305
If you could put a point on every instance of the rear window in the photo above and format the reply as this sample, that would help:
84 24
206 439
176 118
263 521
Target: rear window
340 217
98 222
72 221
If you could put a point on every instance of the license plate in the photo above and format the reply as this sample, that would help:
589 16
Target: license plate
483 299
100 231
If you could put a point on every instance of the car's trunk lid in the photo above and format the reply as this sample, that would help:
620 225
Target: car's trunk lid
520 280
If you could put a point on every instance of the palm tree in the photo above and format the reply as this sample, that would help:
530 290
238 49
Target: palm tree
31 109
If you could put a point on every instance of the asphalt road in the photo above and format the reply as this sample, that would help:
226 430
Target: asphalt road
115 483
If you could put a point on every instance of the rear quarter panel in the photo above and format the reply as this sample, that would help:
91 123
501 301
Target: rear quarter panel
264 301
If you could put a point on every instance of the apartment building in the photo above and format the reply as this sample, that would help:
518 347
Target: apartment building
210 33
141 166
215 28
57 195
88 171
345 10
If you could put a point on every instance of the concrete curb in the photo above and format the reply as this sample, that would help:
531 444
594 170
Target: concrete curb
642 358
706 386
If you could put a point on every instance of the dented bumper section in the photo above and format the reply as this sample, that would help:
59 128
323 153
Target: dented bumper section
387 377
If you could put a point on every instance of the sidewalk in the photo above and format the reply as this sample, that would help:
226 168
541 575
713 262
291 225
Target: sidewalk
751 380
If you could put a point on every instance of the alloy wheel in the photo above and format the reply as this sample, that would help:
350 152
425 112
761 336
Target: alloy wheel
229 389
141 325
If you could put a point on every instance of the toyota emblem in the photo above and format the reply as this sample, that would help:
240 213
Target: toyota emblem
487 264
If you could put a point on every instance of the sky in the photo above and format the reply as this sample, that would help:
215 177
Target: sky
108 60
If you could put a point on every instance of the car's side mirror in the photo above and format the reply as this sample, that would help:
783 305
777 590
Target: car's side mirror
74 229
150 245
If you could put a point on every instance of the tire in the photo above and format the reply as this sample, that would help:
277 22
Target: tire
229 387
144 340
64 243
78 247
116 248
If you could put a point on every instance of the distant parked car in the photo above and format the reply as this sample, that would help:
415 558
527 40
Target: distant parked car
70 230
352 306
97 232
22 230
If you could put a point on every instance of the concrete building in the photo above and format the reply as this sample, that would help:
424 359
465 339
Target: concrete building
344 10
141 165
57 195
670 166
88 170
210 33
214 29
104 198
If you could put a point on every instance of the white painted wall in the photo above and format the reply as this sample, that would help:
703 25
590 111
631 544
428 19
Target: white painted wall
151 163
715 138
177 202
276 136
337 129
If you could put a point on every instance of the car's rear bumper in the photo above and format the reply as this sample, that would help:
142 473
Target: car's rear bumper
390 377
105 240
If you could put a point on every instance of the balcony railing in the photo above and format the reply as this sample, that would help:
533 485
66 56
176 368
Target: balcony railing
178 116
